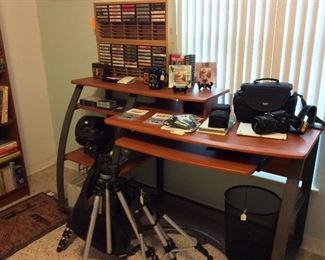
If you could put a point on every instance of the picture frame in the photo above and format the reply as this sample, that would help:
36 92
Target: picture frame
180 76
205 73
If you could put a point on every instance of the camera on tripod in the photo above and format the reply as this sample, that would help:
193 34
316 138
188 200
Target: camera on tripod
92 133
277 121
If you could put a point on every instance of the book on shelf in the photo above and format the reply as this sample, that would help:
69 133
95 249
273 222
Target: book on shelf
10 157
2 184
8 177
204 128
18 172
176 59
8 148
11 177
4 91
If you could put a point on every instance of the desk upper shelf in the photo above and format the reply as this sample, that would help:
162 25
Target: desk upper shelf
139 88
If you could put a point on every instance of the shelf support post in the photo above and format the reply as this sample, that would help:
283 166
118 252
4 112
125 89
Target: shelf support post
62 146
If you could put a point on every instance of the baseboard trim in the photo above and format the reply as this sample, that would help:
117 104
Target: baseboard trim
313 245
41 167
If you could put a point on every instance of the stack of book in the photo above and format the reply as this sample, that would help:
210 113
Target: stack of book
143 12
190 60
117 55
11 177
144 56
130 56
102 14
7 148
115 15
158 56
128 12
104 50
158 12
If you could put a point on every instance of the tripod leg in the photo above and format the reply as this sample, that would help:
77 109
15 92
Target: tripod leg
197 245
128 212
160 233
108 222
142 246
145 250
91 228
100 207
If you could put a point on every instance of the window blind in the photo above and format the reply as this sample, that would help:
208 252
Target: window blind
252 39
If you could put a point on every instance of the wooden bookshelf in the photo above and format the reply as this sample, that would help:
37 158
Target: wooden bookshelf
132 36
9 132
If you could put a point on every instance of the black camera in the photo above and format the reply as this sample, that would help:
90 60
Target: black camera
157 78
92 133
278 121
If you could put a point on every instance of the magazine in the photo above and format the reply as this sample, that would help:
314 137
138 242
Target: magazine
133 114
158 118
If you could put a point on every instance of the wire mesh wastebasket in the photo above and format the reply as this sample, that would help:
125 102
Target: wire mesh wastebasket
251 215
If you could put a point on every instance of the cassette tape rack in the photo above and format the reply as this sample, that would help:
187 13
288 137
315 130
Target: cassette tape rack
132 36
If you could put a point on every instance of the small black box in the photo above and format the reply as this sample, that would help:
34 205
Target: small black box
219 119
225 107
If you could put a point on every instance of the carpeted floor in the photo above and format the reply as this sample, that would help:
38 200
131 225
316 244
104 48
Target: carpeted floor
27 221
45 248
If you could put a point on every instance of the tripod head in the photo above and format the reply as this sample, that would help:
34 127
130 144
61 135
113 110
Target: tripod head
108 170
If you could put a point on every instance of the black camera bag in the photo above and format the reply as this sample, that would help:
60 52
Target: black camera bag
261 96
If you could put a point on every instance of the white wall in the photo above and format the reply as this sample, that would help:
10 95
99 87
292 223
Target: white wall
20 29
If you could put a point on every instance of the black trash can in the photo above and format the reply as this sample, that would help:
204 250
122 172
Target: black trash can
251 215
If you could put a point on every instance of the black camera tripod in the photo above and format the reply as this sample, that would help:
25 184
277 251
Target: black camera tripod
109 184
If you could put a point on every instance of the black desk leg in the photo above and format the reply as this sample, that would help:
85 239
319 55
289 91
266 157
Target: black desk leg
160 177
307 179
62 147
289 198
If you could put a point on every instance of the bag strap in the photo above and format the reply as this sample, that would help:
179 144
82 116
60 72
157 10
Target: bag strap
256 81
307 118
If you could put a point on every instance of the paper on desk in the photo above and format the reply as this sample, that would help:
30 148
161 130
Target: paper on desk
246 129
133 114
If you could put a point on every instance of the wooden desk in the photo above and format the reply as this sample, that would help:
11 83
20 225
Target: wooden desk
293 158
194 97
297 155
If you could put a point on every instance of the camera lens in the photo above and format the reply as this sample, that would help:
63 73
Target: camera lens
264 125
283 124
153 78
